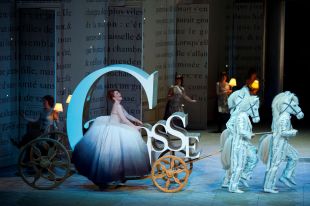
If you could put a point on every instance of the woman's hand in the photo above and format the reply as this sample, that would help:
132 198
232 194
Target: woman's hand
138 128
138 122
55 115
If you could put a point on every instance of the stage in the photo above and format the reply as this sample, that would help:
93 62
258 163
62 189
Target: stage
203 188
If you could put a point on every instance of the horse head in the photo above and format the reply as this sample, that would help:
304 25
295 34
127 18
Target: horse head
291 105
286 102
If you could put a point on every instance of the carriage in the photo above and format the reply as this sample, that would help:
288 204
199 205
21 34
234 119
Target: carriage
45 162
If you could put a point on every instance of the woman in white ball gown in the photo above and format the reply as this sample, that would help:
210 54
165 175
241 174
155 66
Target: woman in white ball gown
112 149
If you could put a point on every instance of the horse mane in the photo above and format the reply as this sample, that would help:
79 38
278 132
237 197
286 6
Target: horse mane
248 100
233 98
275 106
295 98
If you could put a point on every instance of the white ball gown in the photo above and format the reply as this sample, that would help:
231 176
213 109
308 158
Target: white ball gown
111 151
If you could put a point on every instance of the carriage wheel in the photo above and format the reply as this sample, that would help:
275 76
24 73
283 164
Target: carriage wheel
181 154
44 163
59 137
172 175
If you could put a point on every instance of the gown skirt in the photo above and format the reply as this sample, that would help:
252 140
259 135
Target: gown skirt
111 151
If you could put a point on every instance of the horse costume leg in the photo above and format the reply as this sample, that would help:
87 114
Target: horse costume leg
292 158
251 161
283 106
237 165
270 177
226 179
274 161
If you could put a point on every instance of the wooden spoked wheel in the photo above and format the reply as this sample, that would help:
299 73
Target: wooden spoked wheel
44 163
170 173
180 154
59 137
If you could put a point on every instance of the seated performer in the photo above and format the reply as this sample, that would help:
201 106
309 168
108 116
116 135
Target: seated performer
112 149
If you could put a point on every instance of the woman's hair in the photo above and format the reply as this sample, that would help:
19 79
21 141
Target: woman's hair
222 74
111 94
49 99
179 76
251 72
249 77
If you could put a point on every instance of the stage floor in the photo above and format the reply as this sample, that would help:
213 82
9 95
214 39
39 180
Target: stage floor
203 188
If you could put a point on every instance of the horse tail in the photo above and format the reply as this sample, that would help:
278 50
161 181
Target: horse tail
264 148
226 154
223 138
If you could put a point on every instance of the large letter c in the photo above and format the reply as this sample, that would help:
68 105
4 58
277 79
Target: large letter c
76 106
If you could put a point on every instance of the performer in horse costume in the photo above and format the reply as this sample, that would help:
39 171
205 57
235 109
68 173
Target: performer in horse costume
273 149
234 101
240 131
226 139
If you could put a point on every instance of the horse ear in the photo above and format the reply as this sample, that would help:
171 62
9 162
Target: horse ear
230 100
256 99
295 98
287 92
291 96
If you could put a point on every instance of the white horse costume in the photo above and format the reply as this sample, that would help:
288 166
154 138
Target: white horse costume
234 101
273 149
234 154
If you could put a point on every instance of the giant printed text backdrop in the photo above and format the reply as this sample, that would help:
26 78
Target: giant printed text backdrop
36 61
245 40
125 47
192 59
8 84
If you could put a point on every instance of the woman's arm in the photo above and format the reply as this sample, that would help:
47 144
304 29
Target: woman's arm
222 89
187 98
218 88
29 119
121 114
170 93
228 89
55 115
130 117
